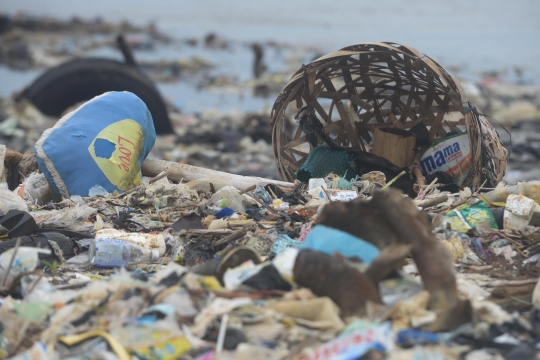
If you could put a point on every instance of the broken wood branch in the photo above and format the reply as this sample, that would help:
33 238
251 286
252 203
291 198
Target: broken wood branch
232 237
431 202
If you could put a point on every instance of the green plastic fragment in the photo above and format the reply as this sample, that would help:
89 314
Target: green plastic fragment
323 160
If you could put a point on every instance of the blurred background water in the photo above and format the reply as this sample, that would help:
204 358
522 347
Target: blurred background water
470 38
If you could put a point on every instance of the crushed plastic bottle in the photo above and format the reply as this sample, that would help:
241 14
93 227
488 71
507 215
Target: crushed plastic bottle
261 194
119 253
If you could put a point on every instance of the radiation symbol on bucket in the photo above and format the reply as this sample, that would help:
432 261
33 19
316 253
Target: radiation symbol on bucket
116 150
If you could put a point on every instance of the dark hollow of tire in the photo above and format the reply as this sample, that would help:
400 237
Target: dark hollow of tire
82 79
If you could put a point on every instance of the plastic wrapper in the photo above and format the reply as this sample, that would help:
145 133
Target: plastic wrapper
284 242
354 345
70 218
166 188
451 155
228 197
466 217
162 339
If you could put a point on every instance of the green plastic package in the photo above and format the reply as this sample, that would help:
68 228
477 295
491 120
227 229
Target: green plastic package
466 217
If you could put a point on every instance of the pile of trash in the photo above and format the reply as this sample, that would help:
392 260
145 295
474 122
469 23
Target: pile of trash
106 253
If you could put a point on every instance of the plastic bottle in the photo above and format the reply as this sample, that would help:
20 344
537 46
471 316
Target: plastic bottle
148 241
119 253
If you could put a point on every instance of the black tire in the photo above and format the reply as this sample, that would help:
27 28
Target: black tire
81 79
64 243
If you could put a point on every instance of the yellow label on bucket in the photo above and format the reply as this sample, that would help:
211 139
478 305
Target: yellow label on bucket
116 150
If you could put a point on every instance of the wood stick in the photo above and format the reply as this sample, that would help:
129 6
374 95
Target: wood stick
423 192
388 184
159 176
251 188
177 172
230 238
496 283
415 167
431 187
431 202
210 232
6 274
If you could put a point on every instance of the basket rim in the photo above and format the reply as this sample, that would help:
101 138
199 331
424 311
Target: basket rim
405 50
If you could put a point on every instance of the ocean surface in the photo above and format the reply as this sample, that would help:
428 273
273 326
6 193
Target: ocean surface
468 37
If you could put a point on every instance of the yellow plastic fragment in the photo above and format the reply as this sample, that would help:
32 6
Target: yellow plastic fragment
118 349
493 203
288 322
210 282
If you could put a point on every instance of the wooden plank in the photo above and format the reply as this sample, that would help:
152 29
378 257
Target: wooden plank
356 100
334 95
298 152
295 142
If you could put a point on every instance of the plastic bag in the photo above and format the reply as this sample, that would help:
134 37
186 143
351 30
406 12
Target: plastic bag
10 201
103 143
26 260
35 189
166 188
530 189
228 197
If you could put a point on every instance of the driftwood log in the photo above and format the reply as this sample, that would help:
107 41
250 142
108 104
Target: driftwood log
175 171
179 172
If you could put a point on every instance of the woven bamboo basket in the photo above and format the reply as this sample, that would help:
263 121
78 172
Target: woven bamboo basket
361 87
